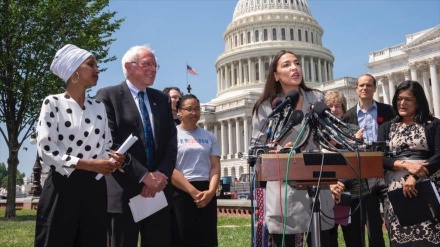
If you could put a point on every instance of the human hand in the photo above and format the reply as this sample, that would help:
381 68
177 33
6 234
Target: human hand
337 190
360 133
156 181
418 169
205 197
409 187
147 192
118 158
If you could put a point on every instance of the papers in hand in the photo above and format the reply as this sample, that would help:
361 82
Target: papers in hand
122 149
142 207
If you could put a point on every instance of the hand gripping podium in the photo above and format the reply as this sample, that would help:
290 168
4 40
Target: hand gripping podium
304 168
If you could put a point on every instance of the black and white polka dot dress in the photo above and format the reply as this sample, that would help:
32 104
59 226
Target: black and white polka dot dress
67 133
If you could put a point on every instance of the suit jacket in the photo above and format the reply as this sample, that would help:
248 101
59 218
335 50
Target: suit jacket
384 113
124 119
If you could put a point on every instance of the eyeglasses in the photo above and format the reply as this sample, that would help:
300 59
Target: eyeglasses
148 65
191 110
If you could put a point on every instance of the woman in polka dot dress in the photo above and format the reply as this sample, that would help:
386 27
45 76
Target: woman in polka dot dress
74 142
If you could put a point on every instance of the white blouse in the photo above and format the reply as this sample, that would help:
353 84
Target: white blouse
66 133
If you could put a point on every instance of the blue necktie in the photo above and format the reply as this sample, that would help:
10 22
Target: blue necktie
148 131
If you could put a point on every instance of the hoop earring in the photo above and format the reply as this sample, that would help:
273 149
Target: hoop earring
73 81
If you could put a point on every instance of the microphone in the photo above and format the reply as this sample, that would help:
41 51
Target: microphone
275 102
291 99
295 118
333 133
323 111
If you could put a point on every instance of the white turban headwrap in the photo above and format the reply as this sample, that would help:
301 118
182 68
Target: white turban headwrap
67 60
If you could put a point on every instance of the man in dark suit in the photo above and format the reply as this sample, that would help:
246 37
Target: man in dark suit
150 161
369 115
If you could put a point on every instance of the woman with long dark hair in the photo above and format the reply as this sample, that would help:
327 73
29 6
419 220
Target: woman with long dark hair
285 74
415 136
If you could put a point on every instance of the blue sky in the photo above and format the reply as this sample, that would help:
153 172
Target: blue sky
191 31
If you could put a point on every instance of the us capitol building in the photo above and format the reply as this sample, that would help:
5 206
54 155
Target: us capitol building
260 29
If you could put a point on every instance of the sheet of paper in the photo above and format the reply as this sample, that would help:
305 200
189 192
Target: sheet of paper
142 207
122 149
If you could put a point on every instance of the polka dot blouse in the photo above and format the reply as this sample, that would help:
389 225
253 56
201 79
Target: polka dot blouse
66 133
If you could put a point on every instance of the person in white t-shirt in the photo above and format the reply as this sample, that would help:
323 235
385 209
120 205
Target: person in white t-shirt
195 178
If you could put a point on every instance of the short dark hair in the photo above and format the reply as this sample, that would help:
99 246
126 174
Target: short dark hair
168 89
422 114
185 97
370 75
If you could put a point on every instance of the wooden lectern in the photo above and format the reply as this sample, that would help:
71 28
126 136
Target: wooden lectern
304 168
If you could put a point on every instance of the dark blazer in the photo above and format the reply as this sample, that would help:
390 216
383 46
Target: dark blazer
384 113
124 119
432 133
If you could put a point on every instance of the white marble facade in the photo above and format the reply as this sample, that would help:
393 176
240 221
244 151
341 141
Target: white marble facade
261 28
417 59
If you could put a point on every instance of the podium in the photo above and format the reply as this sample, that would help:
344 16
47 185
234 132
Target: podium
304 168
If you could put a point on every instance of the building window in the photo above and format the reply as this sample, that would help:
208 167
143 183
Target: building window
266 69
291 34
311 36
299 34
274 34
235 41
307 36
265 35
283 34
241 39
248 37
257 36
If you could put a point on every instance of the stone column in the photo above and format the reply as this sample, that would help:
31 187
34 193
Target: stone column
233 75
224 139
384 91
319 71
227 76
246 134
425 83
238 136
407 74
312 69
413 68
218 80
303 67
435 87
325 71
260 70
391 86
230 138
215 127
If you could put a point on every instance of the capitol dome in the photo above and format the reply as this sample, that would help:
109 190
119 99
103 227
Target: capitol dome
260 29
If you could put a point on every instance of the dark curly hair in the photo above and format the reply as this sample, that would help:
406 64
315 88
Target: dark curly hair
422 114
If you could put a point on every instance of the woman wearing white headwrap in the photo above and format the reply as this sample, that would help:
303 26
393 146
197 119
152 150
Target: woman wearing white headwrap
74 141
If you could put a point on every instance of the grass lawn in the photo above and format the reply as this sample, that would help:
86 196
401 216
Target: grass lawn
232 231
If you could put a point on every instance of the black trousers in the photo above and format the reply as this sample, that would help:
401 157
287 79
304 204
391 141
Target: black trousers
154 230
374 217
72 211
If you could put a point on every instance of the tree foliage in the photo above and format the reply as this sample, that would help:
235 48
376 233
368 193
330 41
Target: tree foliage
31 33
4 176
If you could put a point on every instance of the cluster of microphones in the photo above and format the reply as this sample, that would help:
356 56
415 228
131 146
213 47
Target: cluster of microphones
319 121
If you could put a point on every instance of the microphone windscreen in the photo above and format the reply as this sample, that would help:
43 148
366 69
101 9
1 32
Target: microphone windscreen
293 97
297 116
275 102
320 108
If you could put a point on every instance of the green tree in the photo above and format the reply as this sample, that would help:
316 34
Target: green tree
4 176
31 32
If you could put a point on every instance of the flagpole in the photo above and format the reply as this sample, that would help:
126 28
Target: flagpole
188 86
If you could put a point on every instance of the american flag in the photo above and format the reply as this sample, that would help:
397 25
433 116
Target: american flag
191 70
